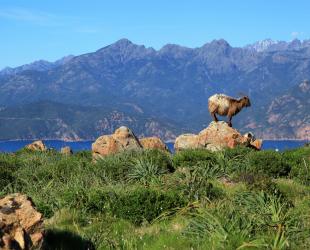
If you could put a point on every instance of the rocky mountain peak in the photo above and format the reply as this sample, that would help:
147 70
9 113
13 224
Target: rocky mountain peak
304 86
124 42
124 50
218 43
216 47
262 45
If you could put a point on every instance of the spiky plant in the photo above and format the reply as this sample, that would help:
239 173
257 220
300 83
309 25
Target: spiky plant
144 170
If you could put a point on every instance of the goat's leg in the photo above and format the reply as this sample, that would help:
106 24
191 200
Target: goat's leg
229 121
214 117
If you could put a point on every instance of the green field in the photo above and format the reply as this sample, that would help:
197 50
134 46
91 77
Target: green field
195 199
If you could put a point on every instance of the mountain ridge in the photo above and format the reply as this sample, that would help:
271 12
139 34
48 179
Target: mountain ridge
259 46
172 83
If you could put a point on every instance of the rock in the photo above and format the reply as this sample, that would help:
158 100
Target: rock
122 139
217 136
257 144
66 151
21 225
186 141
153 143
37 146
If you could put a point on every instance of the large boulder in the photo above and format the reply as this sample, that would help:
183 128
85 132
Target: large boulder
217 136
122 139
186 141
153 143
36 146
21 226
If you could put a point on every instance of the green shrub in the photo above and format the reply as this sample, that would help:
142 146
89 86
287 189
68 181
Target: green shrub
301 172
295 156
6 177
299 161
292 190
118 167
268 162
145 204
100 200
192 183
84 154
145 170
258 182
9 164
239 152
192 157
135 204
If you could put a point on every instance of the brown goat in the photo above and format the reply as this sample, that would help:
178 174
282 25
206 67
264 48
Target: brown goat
226 106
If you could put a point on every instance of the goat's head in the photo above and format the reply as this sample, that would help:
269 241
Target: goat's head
246 101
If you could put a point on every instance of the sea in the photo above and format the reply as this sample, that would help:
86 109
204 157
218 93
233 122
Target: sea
13 146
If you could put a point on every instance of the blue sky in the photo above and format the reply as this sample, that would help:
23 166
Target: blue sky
32 30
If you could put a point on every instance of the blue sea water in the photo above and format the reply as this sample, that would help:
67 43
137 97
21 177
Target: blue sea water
12 146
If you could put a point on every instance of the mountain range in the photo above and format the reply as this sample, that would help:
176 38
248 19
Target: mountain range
158 92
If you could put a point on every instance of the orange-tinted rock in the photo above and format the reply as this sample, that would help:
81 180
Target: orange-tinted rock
186 141
122 139
221 135
37 146
153 143
216 136
257 144
20 223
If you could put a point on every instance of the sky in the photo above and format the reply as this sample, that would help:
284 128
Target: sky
50 29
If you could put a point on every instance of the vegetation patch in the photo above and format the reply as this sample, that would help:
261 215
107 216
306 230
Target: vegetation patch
196 199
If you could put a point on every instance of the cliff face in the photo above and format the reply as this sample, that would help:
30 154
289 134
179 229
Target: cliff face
50 120
287 116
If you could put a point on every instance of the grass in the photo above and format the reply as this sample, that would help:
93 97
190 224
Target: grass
195 199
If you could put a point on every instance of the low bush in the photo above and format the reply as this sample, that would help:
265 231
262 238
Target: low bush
258 182
192 157
192 183
145 204
237 153
84 154
268 162
9 164
118 167
299 161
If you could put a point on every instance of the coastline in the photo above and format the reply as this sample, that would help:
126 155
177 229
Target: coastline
88 140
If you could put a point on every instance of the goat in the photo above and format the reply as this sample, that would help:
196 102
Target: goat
226 106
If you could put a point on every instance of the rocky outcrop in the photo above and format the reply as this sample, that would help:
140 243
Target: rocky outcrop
36 146
20 224
66 150
122 139
186 141
216 136
153 143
